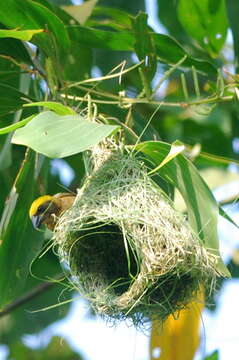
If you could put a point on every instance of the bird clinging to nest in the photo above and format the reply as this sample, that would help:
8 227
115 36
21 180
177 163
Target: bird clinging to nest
47 209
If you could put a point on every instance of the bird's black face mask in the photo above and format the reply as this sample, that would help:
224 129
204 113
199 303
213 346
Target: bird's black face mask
43 212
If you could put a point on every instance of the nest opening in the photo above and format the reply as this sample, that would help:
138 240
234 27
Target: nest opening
101 261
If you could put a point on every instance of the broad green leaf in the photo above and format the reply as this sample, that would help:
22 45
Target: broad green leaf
168 50
15 126
16 49
77 62
18 238
110 40
60 136
201 205
11 99
58 108
31 15
24 35
171 23
206 21
112 17
81 12
131 7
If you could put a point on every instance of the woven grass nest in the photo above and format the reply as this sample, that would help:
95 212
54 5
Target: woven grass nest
130 253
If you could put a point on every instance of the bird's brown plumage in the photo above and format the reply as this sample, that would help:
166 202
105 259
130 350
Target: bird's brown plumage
46 209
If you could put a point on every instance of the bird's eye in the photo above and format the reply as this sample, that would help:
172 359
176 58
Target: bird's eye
42 208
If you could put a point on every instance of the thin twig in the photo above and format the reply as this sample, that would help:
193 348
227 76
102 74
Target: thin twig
101 78
130 101
39 289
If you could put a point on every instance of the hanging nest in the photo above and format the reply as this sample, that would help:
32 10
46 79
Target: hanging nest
130 253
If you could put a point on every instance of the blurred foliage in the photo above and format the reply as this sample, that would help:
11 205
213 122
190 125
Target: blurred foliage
213 356
57 349
179 86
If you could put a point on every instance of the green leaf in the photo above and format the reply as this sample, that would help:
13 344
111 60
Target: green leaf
22 320
206 21
233 11
201 205
116 18
144 48
213 356
15 49
21 352
60 136
227 217
176 148
170 52
13 127
167 49
24 35
171 23
32 15
110 40
143 44
58 108
19 245
10 99
215 160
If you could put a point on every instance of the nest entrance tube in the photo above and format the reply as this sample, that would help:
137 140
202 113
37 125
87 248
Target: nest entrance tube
101 261
130 253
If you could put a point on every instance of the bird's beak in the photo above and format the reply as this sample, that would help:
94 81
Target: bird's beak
37 221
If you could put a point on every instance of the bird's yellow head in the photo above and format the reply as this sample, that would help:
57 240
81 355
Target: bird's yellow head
41 210
47 208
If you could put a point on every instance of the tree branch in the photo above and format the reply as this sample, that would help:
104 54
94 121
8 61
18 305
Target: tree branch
39 289
124 101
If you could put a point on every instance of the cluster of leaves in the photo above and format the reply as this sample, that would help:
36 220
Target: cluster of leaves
49 58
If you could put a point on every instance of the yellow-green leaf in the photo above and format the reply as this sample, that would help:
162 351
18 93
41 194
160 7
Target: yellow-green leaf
176 148
15 126
24 35
58 108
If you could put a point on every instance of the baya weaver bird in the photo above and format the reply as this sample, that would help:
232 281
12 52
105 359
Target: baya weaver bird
47 209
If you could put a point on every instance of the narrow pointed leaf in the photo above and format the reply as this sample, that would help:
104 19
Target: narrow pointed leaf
175 149
201 204
24 35
15 126
19 242
58 108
